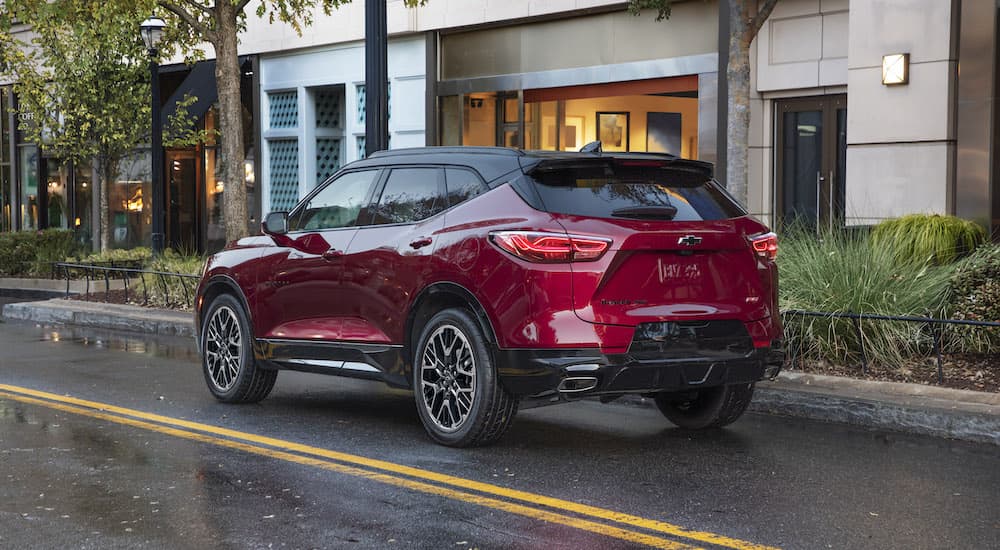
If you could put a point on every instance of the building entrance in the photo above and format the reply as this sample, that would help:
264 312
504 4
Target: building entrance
811 163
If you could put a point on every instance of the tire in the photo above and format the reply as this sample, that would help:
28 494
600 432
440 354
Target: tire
704 409
452 360
227 360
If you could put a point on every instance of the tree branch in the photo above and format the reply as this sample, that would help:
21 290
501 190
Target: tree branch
763 12
241 6
191 21
199 6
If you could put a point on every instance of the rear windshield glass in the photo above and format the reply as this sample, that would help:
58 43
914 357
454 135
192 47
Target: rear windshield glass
638 191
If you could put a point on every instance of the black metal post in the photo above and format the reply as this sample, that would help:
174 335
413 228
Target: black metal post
156 206
376 78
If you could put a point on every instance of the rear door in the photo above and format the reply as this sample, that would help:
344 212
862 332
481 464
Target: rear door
387 261
680 250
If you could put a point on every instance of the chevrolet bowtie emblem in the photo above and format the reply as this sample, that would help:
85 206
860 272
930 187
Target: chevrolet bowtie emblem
689 240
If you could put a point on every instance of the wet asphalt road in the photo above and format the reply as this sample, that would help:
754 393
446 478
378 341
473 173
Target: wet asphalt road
72 480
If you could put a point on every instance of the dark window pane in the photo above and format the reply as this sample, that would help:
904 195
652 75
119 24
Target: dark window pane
410 195
609 189
462 185
337 205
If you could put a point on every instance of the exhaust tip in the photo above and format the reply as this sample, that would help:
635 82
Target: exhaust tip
575 384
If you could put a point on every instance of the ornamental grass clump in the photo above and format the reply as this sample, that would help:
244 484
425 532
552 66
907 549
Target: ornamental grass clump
841 272
933 238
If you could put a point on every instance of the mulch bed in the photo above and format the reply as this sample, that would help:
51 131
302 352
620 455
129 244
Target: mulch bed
963 371
135 298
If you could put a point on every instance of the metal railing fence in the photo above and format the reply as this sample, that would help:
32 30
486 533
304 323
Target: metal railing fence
933 324
165 284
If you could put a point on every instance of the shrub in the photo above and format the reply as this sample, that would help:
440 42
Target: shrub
31 253
847 273
124 255
920 237
974 295
166 291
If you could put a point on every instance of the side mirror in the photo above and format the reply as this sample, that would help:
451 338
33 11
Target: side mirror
275 223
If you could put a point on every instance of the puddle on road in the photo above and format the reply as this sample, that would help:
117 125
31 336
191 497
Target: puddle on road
168 347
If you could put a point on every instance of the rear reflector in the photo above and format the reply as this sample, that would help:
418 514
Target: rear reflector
541 247
766 245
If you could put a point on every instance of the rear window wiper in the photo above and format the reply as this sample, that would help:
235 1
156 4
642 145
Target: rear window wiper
665 212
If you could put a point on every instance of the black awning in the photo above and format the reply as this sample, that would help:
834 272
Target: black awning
200 82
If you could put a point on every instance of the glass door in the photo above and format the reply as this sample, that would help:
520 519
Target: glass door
811 161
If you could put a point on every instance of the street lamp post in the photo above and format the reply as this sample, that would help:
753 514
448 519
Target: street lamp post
152 30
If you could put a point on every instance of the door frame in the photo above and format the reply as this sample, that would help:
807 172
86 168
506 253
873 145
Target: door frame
828 105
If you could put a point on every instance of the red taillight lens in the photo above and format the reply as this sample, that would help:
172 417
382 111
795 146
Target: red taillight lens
766 245
550 247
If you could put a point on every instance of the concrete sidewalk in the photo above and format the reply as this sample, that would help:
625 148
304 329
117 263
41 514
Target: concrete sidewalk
910 408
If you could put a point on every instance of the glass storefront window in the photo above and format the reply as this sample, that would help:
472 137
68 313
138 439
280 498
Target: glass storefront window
214 228
84 203
28 165
480 120
451 120
6 183
130 215
57 205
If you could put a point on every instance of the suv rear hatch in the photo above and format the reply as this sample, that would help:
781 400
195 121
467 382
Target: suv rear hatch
681 247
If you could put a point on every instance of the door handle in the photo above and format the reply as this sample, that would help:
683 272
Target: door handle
421 242
332 254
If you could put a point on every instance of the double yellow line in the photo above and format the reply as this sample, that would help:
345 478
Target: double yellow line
626 527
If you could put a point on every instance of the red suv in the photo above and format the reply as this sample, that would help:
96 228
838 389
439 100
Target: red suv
485 278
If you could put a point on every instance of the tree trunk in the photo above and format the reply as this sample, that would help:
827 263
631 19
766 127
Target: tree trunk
227 74
104 204
738 100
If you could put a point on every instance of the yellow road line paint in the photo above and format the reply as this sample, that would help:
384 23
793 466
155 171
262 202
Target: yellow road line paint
524 496
470 498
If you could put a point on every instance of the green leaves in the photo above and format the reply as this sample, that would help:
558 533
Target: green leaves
82 80
662 7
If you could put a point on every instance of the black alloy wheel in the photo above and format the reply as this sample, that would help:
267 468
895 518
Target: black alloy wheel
227 360
459 398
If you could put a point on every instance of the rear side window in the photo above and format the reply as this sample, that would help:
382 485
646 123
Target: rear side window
462 185
410 195
616 189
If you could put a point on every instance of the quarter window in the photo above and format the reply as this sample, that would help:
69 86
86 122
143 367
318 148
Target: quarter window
462 185
410 195
338 204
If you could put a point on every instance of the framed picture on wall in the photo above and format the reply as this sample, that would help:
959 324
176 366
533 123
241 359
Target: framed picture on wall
663 133
572 133
612 131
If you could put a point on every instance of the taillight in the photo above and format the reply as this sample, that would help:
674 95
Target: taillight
766 245
540 247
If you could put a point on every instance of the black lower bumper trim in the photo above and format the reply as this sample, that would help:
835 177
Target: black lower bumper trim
540 372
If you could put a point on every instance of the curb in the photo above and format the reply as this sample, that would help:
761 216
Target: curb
104 316
909 408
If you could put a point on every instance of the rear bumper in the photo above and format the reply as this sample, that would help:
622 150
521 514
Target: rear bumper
586 372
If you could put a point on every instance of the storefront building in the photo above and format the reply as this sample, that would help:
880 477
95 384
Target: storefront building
861 113
38 191
313 119
832 142
630 82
